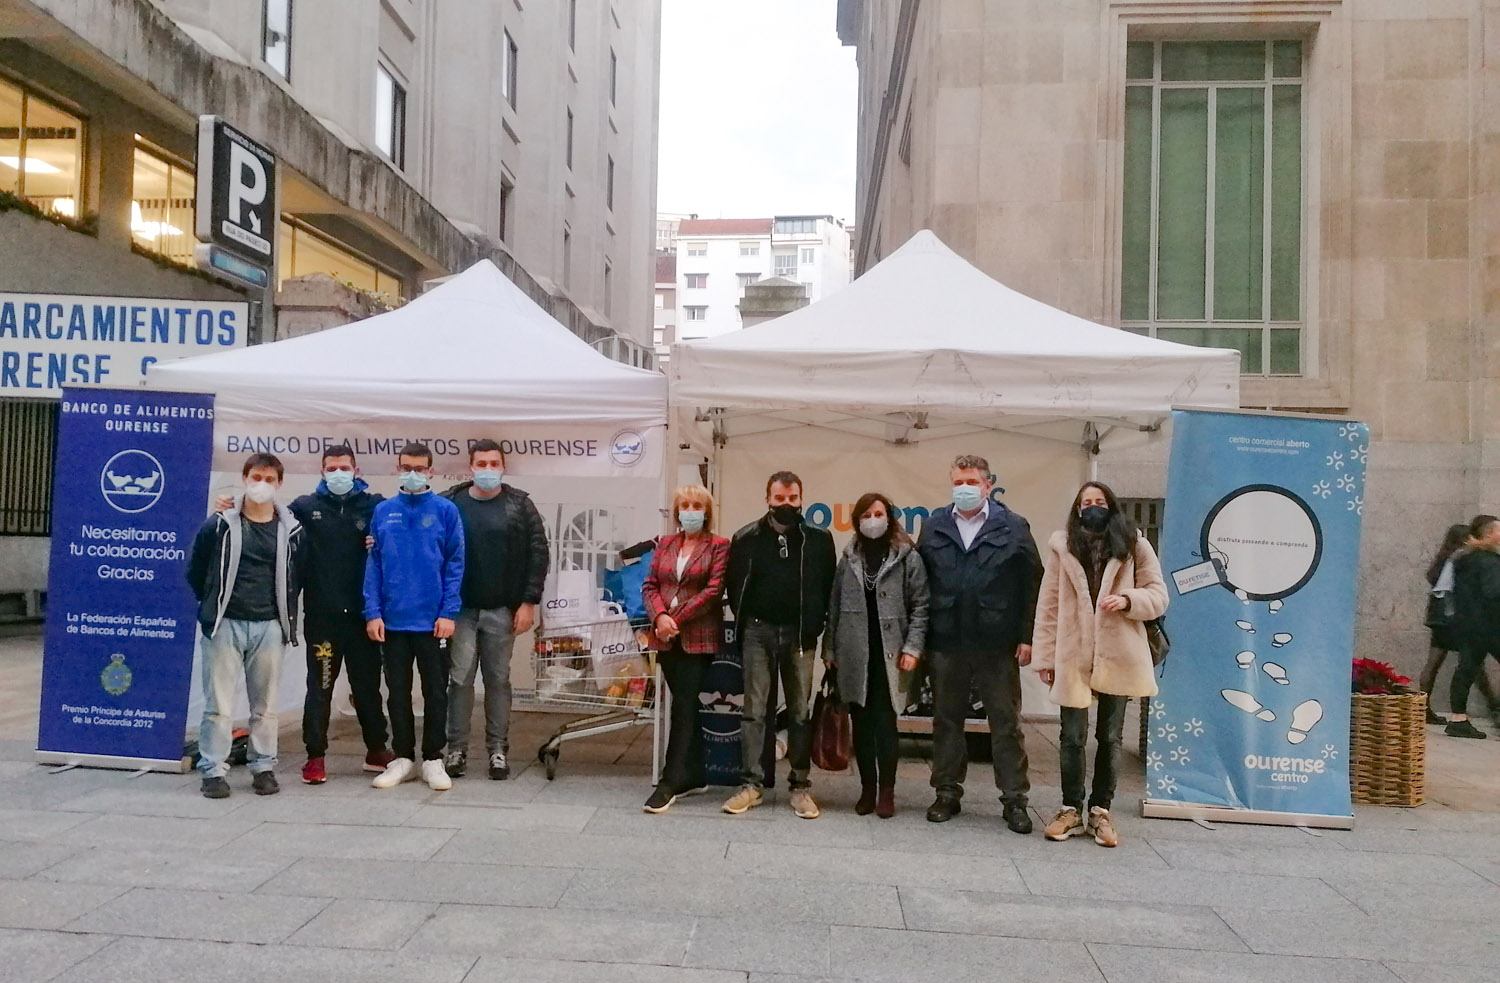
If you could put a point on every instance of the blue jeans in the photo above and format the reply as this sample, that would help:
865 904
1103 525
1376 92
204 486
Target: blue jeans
252 649
768 650
482 642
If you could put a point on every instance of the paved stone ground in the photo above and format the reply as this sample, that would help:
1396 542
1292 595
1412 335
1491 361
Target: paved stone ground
108 878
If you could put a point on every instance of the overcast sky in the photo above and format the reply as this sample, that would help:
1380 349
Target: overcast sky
758 104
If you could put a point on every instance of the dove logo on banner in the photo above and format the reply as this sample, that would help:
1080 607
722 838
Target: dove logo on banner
1261 542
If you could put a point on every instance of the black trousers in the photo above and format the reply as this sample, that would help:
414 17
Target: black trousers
402 651
1073 752
996 677
1470 667
876 741
683 768
334 640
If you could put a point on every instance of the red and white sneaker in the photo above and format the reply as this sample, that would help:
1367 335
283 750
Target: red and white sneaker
315 772
376 761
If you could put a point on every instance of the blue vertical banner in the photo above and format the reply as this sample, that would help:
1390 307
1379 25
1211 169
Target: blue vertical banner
1261 555
129 495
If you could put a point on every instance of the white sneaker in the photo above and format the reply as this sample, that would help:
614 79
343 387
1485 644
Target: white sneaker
395 773
436 776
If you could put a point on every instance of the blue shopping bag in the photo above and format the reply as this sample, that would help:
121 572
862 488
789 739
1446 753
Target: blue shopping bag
624 586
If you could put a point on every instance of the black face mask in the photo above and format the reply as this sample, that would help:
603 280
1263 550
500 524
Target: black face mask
786 515
1095 518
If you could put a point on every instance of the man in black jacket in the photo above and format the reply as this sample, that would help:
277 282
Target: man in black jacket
1476 597
336 519
505 570
984 572
780 576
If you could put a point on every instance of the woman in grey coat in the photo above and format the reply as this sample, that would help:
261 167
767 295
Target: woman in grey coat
877 625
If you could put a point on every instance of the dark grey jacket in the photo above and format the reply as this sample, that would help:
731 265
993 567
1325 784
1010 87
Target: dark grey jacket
901 599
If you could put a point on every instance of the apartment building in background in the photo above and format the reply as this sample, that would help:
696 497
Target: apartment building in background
664 330
718 258
1312 182
414 138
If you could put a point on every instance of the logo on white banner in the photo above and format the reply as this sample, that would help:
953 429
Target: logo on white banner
627 448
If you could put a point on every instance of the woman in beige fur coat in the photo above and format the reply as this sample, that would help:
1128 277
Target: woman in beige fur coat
1101 584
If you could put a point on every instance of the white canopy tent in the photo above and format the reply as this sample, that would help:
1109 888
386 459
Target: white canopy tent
924 341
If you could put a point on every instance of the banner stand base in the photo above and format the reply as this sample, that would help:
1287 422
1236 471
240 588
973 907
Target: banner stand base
174 766
1163 809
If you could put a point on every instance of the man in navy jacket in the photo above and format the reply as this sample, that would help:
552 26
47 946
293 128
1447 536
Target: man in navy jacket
412 582
984 572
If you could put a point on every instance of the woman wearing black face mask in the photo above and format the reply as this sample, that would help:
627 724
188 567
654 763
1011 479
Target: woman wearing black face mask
1102 583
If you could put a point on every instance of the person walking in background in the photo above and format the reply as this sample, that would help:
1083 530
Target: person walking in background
780 574
684 599
412 583
1442 621
336 521
505 571
1101 584
877 628
1476 585
245 571
983 571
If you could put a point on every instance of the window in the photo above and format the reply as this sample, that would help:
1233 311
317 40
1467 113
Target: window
784 264
572 25
903 149
1211 250
28 436
161 204
696 313
567 258
808 255
697 249
276 36
507 191
697 281
41 151
570 139
614 75
661 301
747 278
390 117
749 249
796 226
510 56
609 184
302 250
609 281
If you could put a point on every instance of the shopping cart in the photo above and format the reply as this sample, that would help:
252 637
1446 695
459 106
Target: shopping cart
600 666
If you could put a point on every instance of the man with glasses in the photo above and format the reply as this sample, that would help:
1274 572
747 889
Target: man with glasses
780 576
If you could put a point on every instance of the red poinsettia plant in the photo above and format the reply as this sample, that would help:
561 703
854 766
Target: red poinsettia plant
1372 678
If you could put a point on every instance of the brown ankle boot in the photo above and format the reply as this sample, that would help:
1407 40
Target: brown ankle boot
885 805
866 803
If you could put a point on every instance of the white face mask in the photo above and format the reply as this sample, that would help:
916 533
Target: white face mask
874 527
260 492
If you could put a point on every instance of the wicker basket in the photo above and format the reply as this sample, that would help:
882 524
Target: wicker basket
1388 749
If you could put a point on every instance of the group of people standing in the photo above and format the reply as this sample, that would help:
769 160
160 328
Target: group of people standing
433 583
973 601
1463 614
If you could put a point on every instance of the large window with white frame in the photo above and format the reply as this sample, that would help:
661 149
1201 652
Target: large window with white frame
695 312
1212 230
510 69
41 151
697 249
390 117
697 281
276 36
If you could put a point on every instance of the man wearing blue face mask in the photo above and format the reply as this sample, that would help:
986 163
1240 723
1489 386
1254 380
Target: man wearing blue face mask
412 581
336 519
984 572
505 570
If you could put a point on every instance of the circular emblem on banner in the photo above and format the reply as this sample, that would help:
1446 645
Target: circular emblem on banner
1264 540
132 481
116 676
627 448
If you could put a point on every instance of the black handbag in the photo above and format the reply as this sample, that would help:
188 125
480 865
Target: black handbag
1441 611
1158 640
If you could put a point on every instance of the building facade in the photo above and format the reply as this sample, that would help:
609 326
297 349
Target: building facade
718 258
1312 182
664 331
414 138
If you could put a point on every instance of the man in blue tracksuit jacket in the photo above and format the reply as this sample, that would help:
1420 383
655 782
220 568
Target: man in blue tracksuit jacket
412 581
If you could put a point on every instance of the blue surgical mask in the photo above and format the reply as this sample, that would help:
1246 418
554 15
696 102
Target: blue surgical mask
339 482
413 481
488 479
691 520
967 498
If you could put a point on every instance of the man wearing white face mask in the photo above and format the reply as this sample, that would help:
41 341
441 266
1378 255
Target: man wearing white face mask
505 571
244 569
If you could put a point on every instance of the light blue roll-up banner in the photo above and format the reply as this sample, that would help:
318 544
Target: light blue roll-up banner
1261 555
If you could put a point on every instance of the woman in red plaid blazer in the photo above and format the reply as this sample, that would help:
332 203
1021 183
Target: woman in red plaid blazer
684 598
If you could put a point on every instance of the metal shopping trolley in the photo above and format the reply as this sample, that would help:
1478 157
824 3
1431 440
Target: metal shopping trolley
603 666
